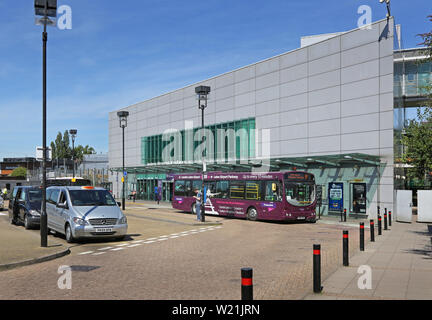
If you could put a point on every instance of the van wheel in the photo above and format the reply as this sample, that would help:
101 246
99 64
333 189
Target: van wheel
68 234
12 220
26 222
252 214
193 208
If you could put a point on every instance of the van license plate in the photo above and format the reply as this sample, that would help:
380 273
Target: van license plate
103 229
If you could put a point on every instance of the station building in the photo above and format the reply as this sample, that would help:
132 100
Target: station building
333 107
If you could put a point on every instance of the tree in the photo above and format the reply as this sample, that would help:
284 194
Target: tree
19 172
417 135
62 149
417 140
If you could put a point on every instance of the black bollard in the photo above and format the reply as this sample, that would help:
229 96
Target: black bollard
372 230
317 288
246 284
345 248
345 215
379 225
361 236
390 218
385 219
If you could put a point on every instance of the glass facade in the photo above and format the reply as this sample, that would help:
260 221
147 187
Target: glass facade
243 132
411 77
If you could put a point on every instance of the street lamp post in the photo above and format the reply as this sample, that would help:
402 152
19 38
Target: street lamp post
123 124
73 133
44 8
202 96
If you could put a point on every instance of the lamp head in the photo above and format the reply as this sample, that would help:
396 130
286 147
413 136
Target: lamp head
123 118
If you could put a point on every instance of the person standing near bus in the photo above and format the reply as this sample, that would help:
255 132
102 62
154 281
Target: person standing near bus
198 204
156 194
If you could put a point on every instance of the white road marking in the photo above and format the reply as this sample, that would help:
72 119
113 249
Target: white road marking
98 253
134 245
3 214
106 248
87 252
149 241
137 241
163 236
174 234
122 245
174 237
162 239
117 249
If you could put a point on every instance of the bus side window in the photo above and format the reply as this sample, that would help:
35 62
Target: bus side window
253 190
237 190
222 189
188 189
179 188
272 191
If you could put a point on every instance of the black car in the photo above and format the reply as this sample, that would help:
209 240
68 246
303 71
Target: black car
25 206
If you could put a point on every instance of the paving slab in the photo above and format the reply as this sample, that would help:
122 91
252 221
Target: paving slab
401 263
20 247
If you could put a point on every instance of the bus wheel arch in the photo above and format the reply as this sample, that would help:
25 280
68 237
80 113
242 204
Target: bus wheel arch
252 213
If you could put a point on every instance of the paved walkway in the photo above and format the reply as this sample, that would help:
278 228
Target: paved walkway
18 247
401 263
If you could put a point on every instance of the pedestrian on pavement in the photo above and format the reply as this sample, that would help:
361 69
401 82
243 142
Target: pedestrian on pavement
134 195
198 204
156 194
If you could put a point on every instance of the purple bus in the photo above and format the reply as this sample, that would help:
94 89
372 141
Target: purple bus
286 195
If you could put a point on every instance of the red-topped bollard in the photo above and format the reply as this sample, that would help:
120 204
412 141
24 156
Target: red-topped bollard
390 218
379 225
361 236
345 248
246 284
372 230
385 219
317 288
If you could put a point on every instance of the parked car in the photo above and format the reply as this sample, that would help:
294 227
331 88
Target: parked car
25 206
84 212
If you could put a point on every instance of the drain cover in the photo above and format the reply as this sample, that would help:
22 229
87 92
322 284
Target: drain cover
84 268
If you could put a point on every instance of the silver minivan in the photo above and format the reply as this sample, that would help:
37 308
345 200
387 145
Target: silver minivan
84 212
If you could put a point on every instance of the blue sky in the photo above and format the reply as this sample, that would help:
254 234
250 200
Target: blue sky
115 55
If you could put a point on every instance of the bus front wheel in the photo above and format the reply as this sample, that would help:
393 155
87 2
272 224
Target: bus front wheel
252 214
193 208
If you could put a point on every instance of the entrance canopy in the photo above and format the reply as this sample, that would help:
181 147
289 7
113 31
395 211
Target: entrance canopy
275 164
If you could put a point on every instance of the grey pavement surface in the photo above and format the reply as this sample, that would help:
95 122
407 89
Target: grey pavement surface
21 247
166 256
400 261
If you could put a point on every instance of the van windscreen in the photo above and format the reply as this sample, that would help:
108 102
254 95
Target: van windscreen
91 198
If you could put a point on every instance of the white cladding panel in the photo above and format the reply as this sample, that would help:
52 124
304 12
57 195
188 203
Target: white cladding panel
331 97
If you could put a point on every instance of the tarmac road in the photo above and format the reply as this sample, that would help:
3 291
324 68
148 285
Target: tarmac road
165 256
